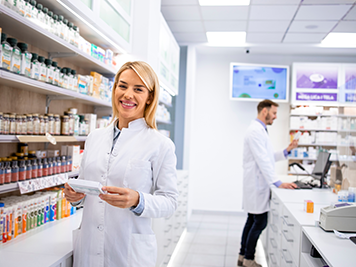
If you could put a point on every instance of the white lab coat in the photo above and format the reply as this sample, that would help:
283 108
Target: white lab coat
143 160
258 169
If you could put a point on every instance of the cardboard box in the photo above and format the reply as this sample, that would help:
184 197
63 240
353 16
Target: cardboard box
74 152
96 84
92 121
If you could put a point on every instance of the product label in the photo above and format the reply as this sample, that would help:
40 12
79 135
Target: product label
49 75
35 72
22 174
43 73
39 172
14 175
36 127
56 78
6 56
29 127
28 174
18 128
34 172
26 65
12 127
16 61
24 128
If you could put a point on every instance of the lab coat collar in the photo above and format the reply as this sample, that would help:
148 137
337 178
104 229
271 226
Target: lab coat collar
135 125
264 125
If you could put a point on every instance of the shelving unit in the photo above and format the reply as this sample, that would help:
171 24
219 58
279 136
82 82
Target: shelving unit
39 138
316 130
25 83
28 31
5 188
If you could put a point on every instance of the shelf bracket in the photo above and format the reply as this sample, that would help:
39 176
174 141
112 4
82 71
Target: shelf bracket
49 98
52 55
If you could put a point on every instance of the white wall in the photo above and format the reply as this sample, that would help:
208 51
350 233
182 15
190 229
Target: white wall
217 127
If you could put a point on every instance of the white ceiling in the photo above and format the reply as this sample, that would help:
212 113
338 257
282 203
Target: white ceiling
266 22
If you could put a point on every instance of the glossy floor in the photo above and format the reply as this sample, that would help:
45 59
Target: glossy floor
213 240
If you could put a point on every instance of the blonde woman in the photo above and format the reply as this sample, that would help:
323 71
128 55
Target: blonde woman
137 166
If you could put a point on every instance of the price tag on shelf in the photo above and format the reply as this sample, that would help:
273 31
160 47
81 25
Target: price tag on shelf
42 183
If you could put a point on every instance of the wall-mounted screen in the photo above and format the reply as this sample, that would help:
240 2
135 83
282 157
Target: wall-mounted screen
256 82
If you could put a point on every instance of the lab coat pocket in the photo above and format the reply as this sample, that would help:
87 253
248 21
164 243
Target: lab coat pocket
142 250
138 173
77 254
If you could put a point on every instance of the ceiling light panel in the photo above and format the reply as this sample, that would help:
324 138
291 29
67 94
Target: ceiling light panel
181 12
226 38
224 2
315 26
264 37
264 12
322 12
274 2
338 39
345 26
190 37
224 13
229 25
304 38
268 26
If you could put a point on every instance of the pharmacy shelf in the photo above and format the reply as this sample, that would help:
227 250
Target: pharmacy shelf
347 131
169 105
25 83
29 32
323 115
163 121
318 144
39 138
314 159
316 130
5 188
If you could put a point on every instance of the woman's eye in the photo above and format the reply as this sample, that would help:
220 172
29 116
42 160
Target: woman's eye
138 90
122 86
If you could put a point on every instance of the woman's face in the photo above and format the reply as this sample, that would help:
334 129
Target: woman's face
131 97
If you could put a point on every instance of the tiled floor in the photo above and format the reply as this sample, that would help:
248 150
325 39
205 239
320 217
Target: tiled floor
213 240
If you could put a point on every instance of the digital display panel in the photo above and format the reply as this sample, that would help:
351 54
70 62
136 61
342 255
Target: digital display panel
257 82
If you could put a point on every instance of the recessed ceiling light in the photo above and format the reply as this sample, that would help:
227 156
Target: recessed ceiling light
224 2
226 38
340 39
311 27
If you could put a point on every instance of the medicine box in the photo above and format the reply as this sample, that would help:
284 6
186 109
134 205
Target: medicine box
86 187
52 153
92 121
72 151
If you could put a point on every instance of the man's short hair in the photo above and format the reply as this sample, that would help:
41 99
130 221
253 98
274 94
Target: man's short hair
266 104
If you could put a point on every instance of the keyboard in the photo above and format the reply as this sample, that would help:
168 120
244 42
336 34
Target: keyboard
302 185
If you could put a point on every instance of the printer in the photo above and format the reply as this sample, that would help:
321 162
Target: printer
340 217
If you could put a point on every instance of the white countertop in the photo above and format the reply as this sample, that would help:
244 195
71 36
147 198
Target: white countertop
335 251
45 246
318 196
303 218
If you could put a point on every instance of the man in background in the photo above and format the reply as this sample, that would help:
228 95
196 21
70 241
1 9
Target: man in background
258 175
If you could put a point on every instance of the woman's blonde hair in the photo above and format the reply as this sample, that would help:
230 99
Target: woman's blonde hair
150 80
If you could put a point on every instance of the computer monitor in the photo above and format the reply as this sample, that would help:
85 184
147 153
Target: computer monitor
322 166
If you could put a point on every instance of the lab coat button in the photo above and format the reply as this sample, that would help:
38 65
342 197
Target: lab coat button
101 227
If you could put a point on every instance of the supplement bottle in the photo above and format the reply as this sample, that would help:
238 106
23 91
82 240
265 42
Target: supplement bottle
2 178
29 124
27 8
55 25
32 154
70 79
22 170
43 69
40 15
46 18
28 170
45 167
14 172
39 168
76 36
74 80
18 124
34 168
24 149
6 123
70 33
65 30
6 53
46 126
7 170
64 164
50 166
60 26
33 10
59 165
49 70
50 124
1 123
55 73
36 124
35 67
15 65
25 60
24 125
64 77
57 125
12 128
42 126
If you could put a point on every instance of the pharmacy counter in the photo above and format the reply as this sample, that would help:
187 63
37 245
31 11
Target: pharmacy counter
335 252
283 237
49 245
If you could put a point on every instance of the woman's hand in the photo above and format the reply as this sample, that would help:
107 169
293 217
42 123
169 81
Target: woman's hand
71 195
120 197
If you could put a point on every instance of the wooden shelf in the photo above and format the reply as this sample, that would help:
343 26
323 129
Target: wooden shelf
29 32
39 138
25 83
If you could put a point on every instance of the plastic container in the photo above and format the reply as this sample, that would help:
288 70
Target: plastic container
76 36
33 9
43 69
6 124
29 124
14 172
49 70
74 80
22 170
40 15
342 196
36 124
351 194
35 67
6 52
25 60
28 170
34 168
24 125
55 25
65 30
57 125
15 65
64 78
61 26
55 73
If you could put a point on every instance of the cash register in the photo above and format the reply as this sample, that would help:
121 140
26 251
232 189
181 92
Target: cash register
340 217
